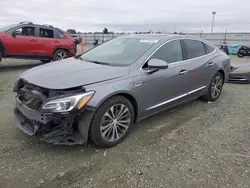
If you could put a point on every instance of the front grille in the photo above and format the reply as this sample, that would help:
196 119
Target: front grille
30 101
29 97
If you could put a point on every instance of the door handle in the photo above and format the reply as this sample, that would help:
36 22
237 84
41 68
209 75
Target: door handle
210 64
32 40
56 41
183 72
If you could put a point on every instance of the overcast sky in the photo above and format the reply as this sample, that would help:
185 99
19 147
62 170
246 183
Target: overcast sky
131 15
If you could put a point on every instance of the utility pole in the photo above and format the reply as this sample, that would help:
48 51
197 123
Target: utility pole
214 12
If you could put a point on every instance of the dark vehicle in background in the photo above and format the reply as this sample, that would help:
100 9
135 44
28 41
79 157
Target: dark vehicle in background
223 47
77 37
26 40
96 42
100 94
244 51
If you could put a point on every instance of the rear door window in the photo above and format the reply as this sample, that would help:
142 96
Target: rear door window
194 48
170 52
46 33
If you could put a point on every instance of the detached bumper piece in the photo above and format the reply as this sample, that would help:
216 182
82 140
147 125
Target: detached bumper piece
239 78
43 126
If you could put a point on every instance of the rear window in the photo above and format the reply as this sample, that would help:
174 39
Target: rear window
194 48
209 49
59 35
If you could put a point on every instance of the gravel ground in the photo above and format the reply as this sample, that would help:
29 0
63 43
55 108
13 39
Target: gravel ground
193 146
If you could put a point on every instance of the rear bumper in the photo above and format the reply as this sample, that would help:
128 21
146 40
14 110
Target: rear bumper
58 129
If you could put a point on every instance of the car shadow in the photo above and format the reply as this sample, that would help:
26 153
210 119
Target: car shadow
7 68
150 130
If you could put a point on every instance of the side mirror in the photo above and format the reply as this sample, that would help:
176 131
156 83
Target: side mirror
13 34
157 64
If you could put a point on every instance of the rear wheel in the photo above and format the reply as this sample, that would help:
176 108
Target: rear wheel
215 87
1 56
112 121
60 54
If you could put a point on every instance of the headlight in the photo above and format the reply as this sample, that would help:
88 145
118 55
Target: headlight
66 104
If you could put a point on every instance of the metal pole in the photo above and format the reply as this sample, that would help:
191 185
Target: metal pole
213 21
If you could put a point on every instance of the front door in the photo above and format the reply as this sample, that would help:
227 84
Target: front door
165 87
24 42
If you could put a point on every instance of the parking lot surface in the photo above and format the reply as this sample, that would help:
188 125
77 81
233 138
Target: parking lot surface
192 146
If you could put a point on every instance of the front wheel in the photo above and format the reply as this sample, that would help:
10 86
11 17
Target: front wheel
215 88
60 54
111 122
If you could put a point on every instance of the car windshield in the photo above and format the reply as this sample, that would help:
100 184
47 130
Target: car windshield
6 28
119 51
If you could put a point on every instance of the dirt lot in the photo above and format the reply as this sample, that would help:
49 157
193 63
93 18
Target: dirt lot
196 145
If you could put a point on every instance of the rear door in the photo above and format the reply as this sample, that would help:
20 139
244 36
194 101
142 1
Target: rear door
48 40
198 65
24 42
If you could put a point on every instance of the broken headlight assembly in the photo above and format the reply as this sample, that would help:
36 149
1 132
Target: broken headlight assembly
66 104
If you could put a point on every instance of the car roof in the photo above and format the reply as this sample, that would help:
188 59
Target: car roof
159 36
46 26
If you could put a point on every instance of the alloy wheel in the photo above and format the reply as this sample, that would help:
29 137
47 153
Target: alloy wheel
61 55
216 86
115 122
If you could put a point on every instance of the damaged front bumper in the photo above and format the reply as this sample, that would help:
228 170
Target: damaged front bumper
56 128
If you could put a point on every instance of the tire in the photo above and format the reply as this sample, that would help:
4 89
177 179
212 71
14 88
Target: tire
1 56
98 136
210 95
60 54
45 61
240 54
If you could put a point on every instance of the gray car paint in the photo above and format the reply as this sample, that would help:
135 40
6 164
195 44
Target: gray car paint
151 93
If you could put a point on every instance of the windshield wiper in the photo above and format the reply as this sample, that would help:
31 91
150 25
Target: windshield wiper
96 62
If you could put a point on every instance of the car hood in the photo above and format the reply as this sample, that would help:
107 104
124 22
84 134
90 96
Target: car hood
70 73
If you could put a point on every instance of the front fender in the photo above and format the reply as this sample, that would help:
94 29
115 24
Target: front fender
124 85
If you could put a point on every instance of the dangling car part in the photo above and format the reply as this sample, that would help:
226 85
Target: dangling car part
239 74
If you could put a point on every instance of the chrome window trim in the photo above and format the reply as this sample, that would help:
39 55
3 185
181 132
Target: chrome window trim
177 62
176 98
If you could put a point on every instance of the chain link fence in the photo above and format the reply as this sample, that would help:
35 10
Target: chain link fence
215 38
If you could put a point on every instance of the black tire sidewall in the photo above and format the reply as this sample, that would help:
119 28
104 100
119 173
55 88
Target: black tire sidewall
241 53
1 56
210 97
95 133
56 52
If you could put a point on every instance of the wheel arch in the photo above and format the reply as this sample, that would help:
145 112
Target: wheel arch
60 48
126 95
223 74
